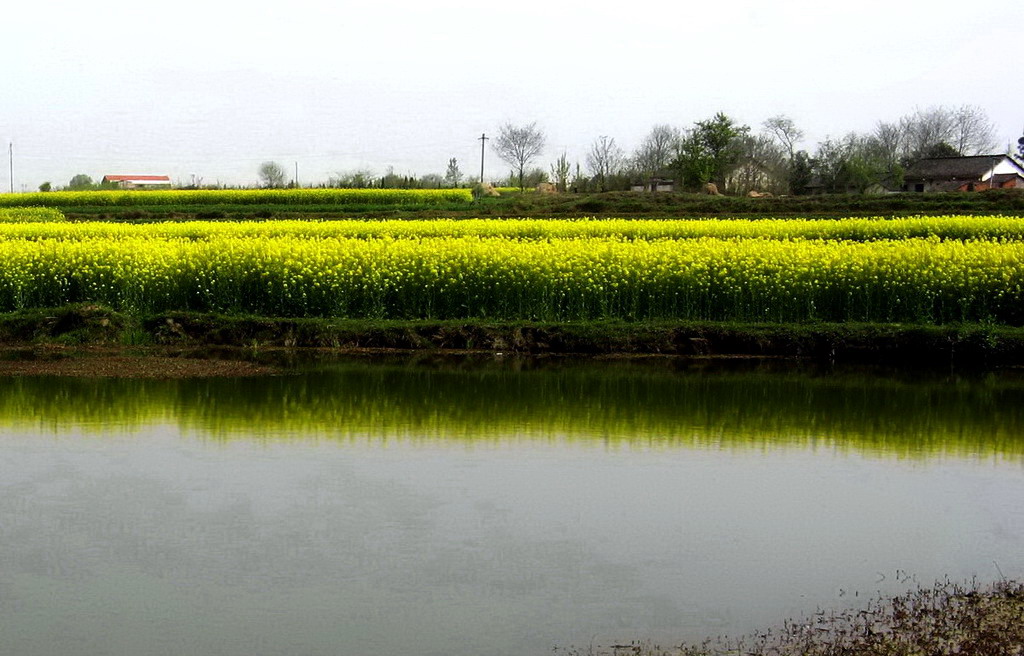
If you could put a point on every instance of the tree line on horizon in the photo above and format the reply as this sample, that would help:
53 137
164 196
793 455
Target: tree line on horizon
737 159
718 150
732 156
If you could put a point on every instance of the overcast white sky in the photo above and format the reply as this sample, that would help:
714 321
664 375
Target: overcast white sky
214 88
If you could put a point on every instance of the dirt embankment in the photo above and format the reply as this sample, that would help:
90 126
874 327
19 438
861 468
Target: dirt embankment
95 326
112 362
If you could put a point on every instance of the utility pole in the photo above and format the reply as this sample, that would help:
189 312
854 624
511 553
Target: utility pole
483 141
10 150
296 175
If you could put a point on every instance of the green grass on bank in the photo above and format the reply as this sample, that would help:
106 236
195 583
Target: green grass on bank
966 344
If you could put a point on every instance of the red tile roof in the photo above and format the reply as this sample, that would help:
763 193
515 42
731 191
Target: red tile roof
126 178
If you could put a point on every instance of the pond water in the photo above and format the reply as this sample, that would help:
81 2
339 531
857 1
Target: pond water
490 506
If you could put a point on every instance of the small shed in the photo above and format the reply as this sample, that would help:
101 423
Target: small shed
976 173
655 185
139 181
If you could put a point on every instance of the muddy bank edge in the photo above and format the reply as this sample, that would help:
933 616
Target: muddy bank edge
972 345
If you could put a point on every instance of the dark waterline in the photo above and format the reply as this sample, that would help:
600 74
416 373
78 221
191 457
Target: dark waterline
489 506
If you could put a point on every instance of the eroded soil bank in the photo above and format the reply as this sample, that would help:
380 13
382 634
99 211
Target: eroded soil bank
118 362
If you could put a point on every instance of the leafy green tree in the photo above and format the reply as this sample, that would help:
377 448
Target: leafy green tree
853 164
709 151
801 174
940 149
861 171
529 178
46 186
431 181
694 165
535 176
392 180
80 182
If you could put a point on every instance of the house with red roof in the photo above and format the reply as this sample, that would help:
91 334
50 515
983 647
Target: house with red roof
139 181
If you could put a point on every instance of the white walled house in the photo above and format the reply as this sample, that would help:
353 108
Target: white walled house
139 181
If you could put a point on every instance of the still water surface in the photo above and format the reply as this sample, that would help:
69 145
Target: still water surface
489 507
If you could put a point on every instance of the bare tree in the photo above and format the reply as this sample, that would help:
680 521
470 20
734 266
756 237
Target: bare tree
271 175
358 179
974 133
656 151
926 128
892 139
519 145
579 181
890 146
785 132
453 175
604 159
762 165
560 172
854 163
965 130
